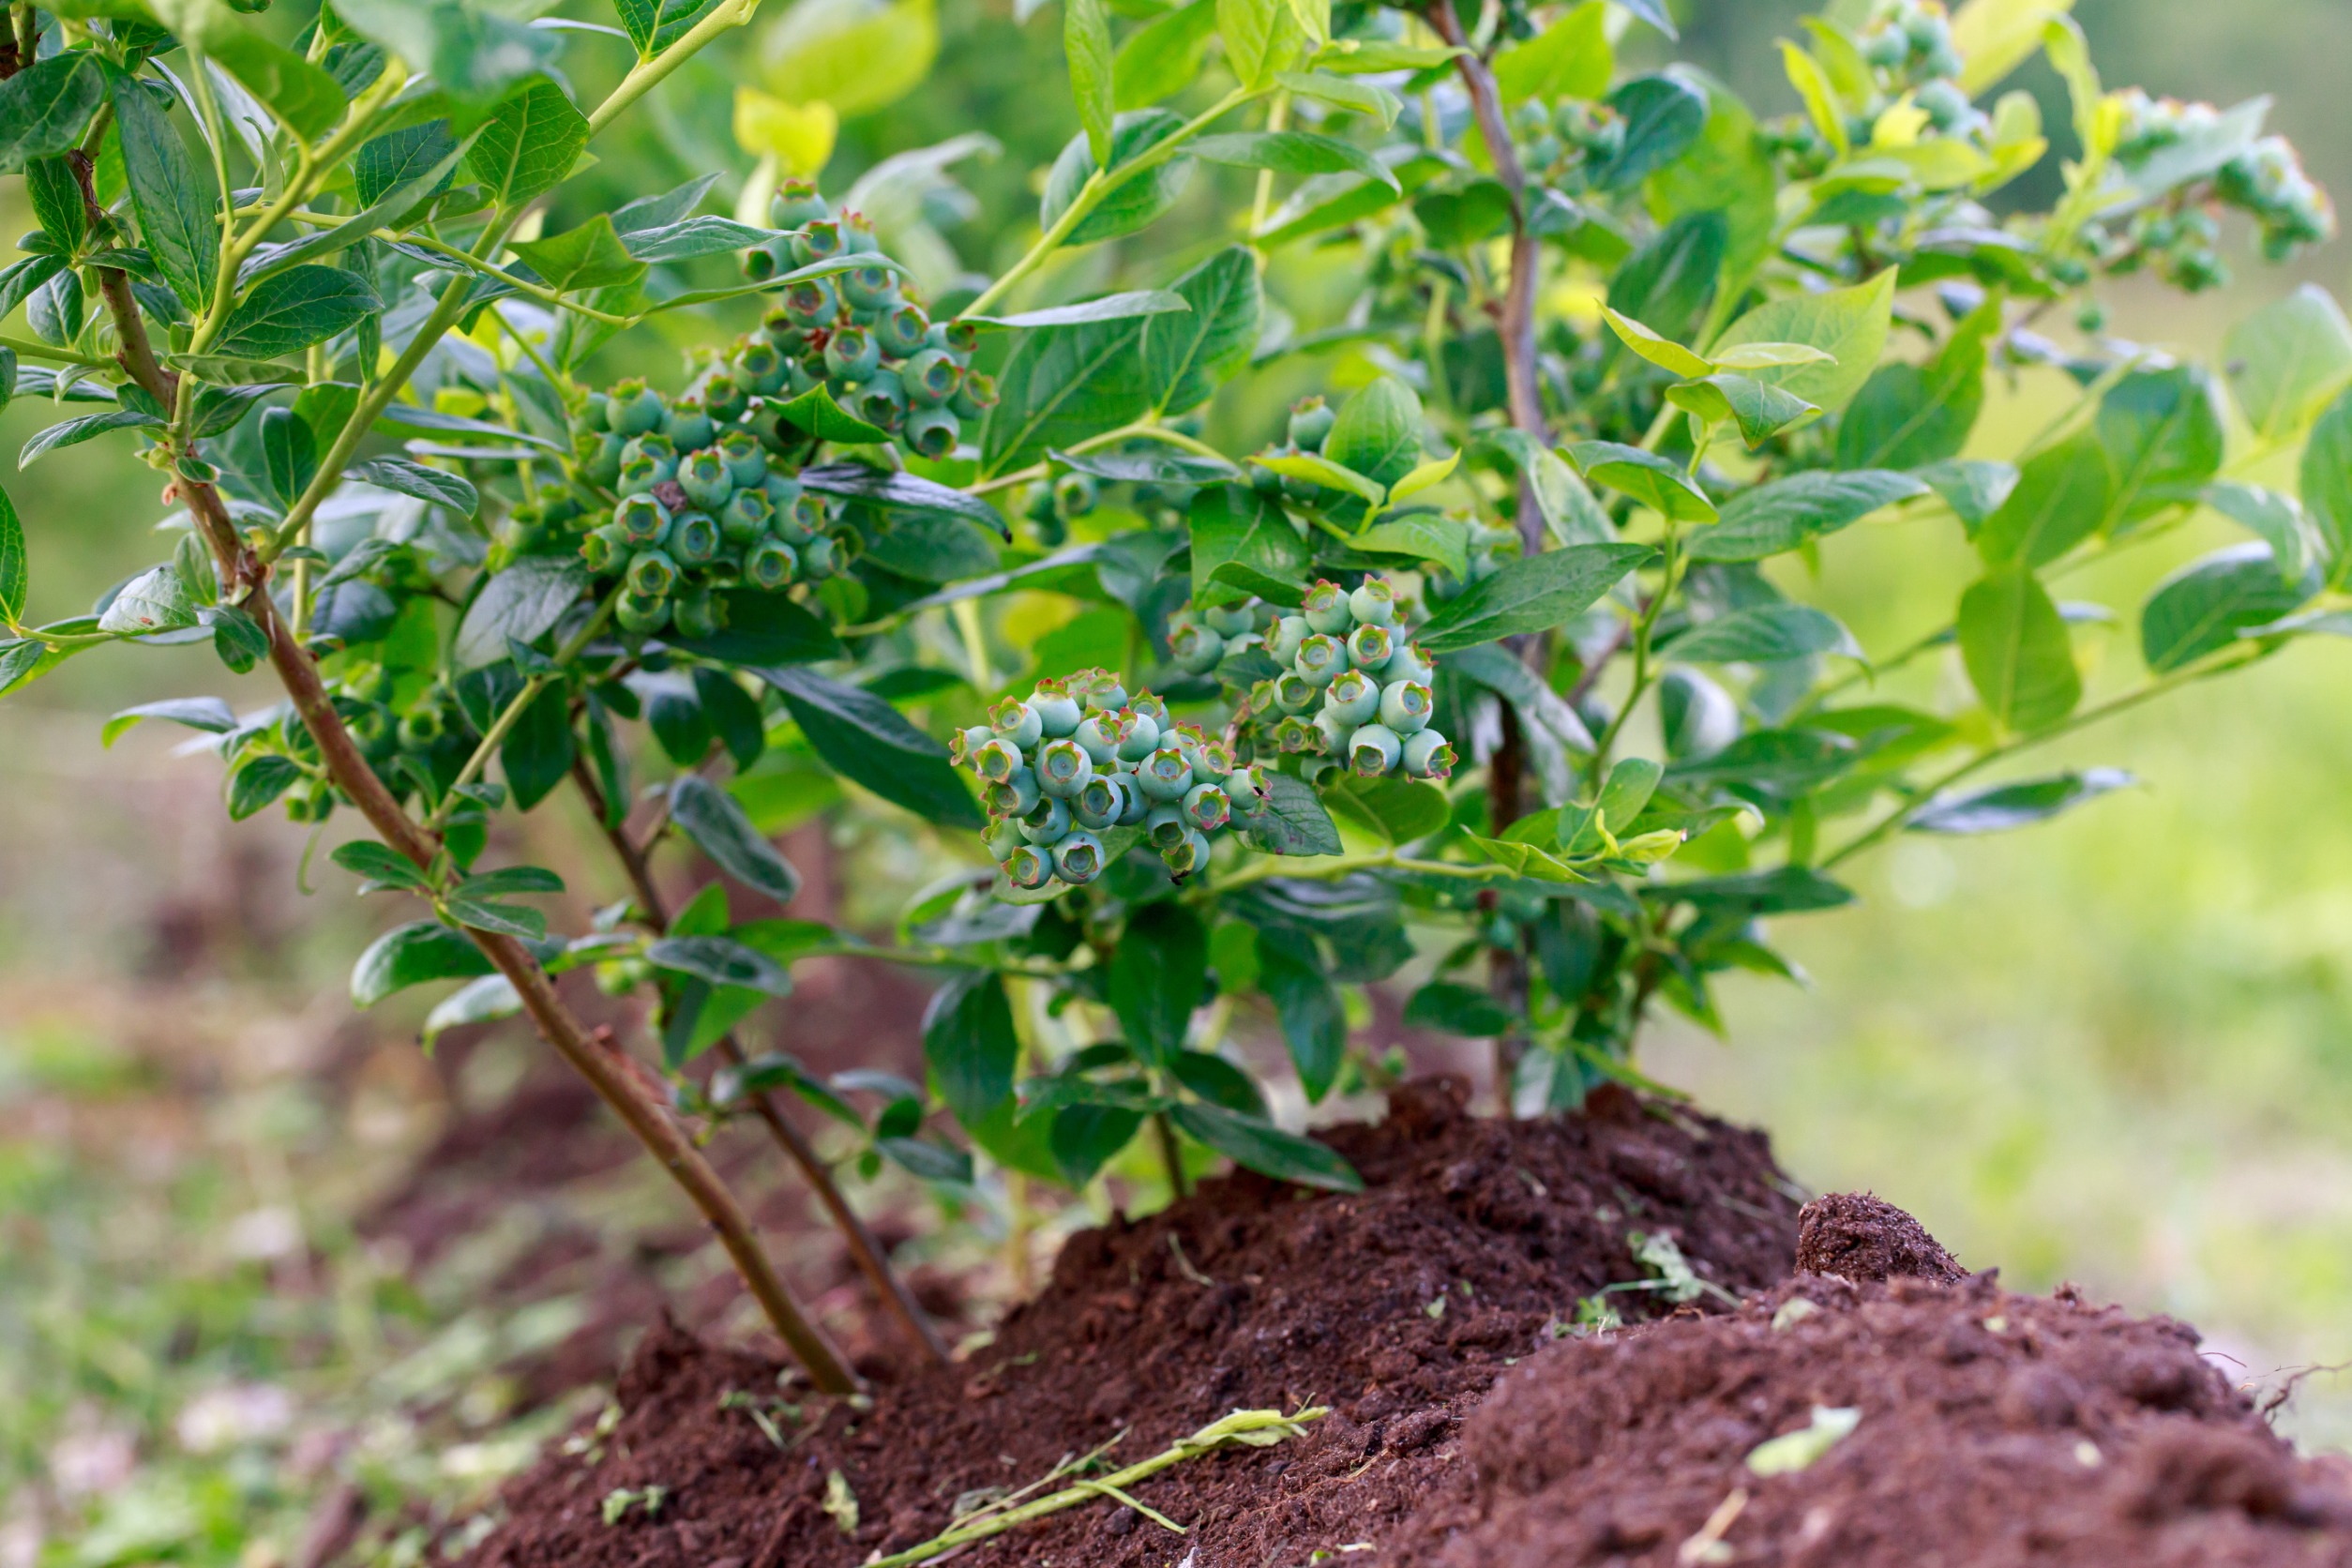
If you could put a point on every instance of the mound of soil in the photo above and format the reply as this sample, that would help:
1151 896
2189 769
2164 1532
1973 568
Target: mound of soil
1995 1429
1397 1308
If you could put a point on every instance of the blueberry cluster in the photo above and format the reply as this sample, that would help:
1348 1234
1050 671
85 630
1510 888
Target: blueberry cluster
1080 758
1910 45
1351 687
857 333
1311 420
1552 140
703 500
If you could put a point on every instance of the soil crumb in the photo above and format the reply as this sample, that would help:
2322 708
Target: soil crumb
1472 1245
1860 1237
1979 1429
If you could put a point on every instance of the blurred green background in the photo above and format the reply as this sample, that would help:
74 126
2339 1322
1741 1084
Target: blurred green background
2116 1050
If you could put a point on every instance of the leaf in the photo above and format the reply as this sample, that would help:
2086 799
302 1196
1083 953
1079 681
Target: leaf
294 309
969 1044
2003 807
529 145
1263 1147
1663 116
863 738
2205 605
2327 485
155 600
2018 653
1086 41
1453 1008
73 433
509 881
653 26
1974 489
306 97
1571 58
523 603
1662 352
1788 890
484 1001
511 920
721 961
474 53
1252 34
1187 357
536 754
403 476
2062 498
1570 511
763 630
1419 536
1368 99
1134 204
1293 152
1529 861
1149 465
290 454
1783 513
1116 306
2272 517
410 955
1400 810
815 412
208 713
1764 634
718 827
1908 415
1848 324
1086 1137
1316 469
1162 58
1377 431
45 107
379 862
1531 594
2287 359
1288 820
1158 974
1761 411
1243 546
1656 482
899 491
588 257
14 575
177 201
2162 431
1314 1019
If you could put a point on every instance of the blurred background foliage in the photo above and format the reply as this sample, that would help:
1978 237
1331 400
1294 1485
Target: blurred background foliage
2116 1050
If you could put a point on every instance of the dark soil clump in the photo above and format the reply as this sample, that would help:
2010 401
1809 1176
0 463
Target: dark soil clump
1858 1237
1397 1308
1995 1430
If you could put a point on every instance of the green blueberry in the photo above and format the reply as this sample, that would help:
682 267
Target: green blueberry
694 538
1064 767
851 354
796 202
1426 755
1001 839
1373 603
1165 774
1188 855
1207 806
932 432
974 396
1075 494
1230 619
799 518
1014 796
642 519
1404 706
1148 706
903 327
1369 647
652 447
594 412
816 240
1331 734
820 557
810 303
770 563
692 426
597 456
1097 689
1164 824
746 464
1322 658
1326 609
1290 632
1015 722
1027 867
1078 859
1058 711
930 377
724 397
1351 698
1296 736
1409 663
760 369
745 518
703 476
1311 420
641 617
1195 648
421 728
698 612
1093 734
605 549
1136 735
879 400
634 408
1373 749
652 572
1100 801
1044 822
996 759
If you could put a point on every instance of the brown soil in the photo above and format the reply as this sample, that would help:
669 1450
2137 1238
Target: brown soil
1397 1309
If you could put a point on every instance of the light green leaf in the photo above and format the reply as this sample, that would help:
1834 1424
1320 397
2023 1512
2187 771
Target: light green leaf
474 53
1764 634
208 713
1317 470
1104 307
1656 482
653 26
1086 41
2016 651
1761 410
1345 92
1378 433
1571 58
1421 535
1134 204
156 600
1162 58
588 257
1293 152
2204 606
1780 515
292 310
483 1001
1531 594
73 433
1570 511
529 145
1848 324
302 95
2062 498
2287 359
1662 352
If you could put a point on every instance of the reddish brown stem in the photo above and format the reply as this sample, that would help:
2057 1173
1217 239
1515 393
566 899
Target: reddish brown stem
864 1245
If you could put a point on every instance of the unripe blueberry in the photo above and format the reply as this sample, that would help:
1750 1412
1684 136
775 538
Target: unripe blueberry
1079 858
1351 698
652 572
798 515
770 563
1150 707
1098 689
1426 755
760 366
932 432
633 408
1136 735
1229 620
641 617
1207 806
1018 722
796 202
1164 824
1195 648
1290 633
746 465
1311 420
819 557
1188 856
1093 734
690 427
1075 495
1373 749
694 538
811 303
1211 759
594 412
698 612
1063 768
1165 775
879 400
745 518
1945 103
1326 609
597 455
1001 839
704 477
421 728
902 328
1331 734
1100 801
1014 796
605 549
1028 868
974 394
963 747
1373 603
655 448
930 377
1058 712
1409 663
819 240
642 519
1369 647
1404 706
1322 658
851 354
1296 734
1048 820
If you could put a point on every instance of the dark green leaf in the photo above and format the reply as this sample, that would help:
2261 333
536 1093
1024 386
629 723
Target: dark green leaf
410 955
524 602
1132 205
1453 1008
14 575
1158 975
1663 116
177 201
306 97
529 145
1656 482
863 738
398 161
815 412
718 827
258 780
1242 546
1398 809
1531 594
509 881
1763 634
379 862
711 235
536 754
734 715
1378 433
900 491
45 107
2205 605
764 629
73 433
1782 515
588 257
1314 1019
1288 820
970 1046
926 1161
721 961
2018 653
290 453
294 309
238 640
208 713
1218 1081
2003 807
406 477
1086 1137
653 26
1789 890
1263 1147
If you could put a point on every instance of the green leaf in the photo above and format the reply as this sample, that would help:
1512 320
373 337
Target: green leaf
73 433
1242 546
1571 58
1764 634
722 961
1378 433
1398 809
1368 99
208 713
529 145
1785 513
1134 203
1667 355
711 818
1663 116
894 491
1188 358
2016 651
1290 819
1628 789
1086 1137
1656 482
294 309
2327 485
1260 38
2162 431
2062 498
970 1046
45 107
15 578
536 754
764 629
177 201
1453 1008
290 454
1313 1018
2287 359
815 412
1317 470
653 26
1973 487
864 739
1107 308
2003 807
403 476
1086 40
510 920
1263 1147
1529 861
256 781
1761 411
302 95
1848 324
1293 152
474 53
1419 536
484 1001
156 600
1570 511
1529 595
1162 58
379 862
1909 416
1158 974
524 602
2202 606
588 257
411 955
2272 517
509 881
734 715
413 164
57 204
1151 465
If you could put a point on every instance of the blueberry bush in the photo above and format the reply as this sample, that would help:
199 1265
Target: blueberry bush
1488 672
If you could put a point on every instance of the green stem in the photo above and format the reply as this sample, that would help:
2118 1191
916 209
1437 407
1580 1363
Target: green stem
647 74
1643 628
547 297
1146 429
1332 867
25 348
